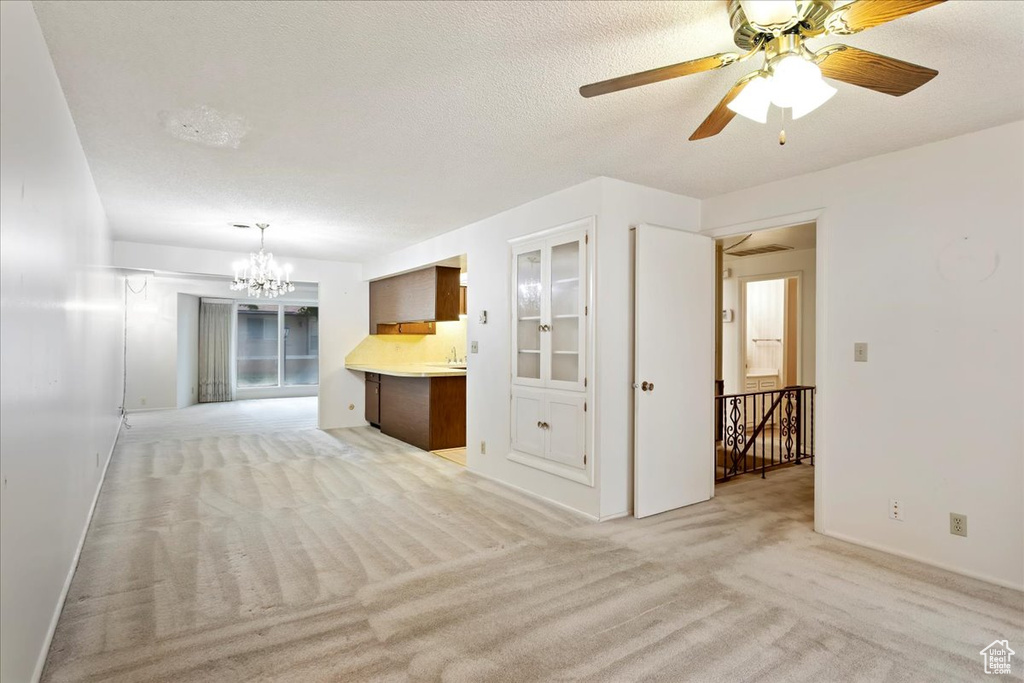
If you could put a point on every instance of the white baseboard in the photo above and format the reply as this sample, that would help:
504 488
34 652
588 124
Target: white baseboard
41 662
910 556
533 495
616 515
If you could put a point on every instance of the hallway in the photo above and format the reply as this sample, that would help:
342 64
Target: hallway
236 542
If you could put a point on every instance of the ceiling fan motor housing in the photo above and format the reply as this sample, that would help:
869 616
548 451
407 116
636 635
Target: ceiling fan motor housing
811 13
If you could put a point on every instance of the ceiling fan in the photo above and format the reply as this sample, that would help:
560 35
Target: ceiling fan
790 77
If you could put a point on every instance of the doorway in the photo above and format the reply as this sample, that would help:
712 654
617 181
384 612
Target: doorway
770 322
766 393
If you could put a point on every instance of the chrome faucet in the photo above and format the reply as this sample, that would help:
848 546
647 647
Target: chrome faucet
454 358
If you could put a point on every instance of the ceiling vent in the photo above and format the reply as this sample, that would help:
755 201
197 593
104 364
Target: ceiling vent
754 251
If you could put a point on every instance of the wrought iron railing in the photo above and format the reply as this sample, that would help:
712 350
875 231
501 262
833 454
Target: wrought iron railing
760 430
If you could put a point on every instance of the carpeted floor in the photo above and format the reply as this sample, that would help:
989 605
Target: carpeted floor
236 542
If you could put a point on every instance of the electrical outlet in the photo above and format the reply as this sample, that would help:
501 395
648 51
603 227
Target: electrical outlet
895 509
97 460
193 391
142 401
860 352
483 448
957 524
473 348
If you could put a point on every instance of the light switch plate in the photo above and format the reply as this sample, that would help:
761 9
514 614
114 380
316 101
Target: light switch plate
473 348
860 352
483 317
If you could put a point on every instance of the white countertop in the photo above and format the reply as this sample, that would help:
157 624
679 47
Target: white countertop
411 370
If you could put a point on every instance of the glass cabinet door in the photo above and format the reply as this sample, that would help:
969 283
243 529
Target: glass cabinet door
528 311
568 323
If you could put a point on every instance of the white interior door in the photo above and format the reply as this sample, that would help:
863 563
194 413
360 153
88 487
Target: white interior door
674 370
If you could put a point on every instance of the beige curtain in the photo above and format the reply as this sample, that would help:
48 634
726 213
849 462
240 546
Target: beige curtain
215 353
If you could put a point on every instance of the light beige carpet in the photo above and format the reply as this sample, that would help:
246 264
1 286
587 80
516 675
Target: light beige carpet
236 542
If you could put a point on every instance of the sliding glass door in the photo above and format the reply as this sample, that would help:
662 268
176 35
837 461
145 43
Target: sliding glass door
257 353
301 344
277 345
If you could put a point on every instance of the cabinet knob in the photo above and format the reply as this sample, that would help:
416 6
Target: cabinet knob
543 425
647 386
544 328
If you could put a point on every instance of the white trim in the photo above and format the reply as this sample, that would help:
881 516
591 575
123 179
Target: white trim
917 558
616 515
783 221
41 661
531 494
582 475
821 241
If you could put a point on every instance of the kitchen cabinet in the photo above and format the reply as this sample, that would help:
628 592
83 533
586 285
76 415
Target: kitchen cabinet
551 309
427 412
373 398
410 303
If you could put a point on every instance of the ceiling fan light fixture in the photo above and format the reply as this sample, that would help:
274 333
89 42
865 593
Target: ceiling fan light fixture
791 77
754 100
770 12
811 97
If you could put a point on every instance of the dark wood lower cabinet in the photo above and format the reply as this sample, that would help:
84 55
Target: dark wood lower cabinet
373 399
427 412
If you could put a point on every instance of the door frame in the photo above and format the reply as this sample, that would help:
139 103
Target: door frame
743 280
822 238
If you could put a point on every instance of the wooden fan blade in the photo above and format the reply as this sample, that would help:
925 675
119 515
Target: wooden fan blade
864 14
868 70
663 73
721 115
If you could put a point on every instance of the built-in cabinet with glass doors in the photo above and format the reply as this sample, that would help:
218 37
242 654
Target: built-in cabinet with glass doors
550 324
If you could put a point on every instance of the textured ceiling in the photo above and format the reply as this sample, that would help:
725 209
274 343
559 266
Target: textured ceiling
369 126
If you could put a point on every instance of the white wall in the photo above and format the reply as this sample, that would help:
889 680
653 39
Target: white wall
617 205
624 205
798 261
906 242
188 350
61 340
344 314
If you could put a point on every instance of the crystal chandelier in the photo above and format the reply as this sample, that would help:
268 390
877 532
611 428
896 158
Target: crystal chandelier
261 276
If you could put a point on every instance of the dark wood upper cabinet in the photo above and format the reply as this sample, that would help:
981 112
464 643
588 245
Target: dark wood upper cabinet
422 296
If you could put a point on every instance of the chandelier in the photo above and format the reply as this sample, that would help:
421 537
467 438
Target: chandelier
261 276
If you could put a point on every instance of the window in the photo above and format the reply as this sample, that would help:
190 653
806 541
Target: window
277 345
